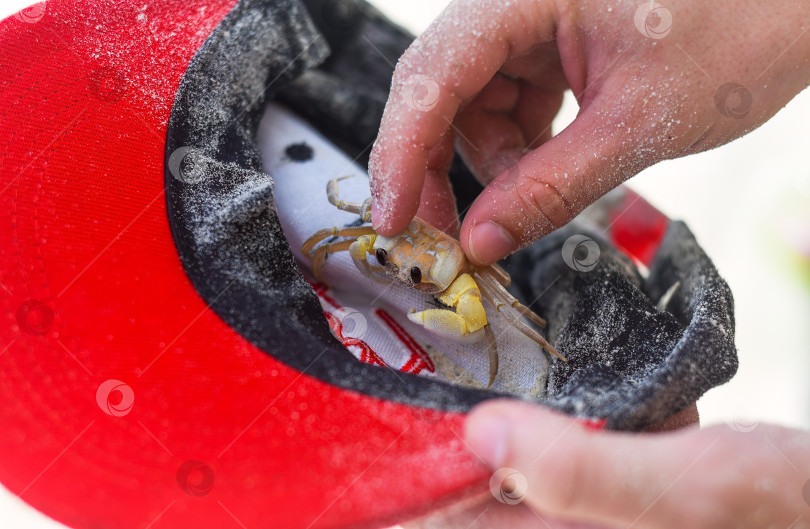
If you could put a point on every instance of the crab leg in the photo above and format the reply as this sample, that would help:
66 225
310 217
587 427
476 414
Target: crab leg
364 209
492 351
500 274
503 297
325 233
515 321
320 253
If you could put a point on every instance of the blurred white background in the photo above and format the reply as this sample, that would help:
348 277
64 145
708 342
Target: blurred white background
748 203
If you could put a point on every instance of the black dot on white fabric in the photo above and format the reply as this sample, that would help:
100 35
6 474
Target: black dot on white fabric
299 152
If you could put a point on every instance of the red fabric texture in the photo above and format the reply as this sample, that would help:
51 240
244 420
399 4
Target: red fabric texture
124 400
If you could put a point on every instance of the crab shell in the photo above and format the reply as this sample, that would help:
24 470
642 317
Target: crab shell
438 256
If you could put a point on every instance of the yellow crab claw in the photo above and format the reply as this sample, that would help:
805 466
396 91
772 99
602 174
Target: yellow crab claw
442 322
469 317
454 326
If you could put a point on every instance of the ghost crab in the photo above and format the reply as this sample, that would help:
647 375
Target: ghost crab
427 260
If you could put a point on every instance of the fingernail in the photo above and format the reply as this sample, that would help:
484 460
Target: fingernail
488 439
489 242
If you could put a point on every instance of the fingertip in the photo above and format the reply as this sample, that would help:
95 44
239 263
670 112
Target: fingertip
488 429
376 216
393 204
396 190
510 409
387 224
493 427
487 435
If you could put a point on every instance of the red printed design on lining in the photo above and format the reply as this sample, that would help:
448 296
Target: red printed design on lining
419 359
367 354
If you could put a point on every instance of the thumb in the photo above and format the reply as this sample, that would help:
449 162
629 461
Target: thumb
566 468
548 187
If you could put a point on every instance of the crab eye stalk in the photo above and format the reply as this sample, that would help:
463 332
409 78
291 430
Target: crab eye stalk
416 275
382 256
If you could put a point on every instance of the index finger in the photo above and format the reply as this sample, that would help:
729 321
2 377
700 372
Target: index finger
445 66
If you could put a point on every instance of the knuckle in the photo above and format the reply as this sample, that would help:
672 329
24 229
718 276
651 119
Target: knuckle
542 199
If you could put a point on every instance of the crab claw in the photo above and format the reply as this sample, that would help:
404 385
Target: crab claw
443 322
451 325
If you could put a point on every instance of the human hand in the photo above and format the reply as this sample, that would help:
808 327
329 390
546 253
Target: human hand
576 477
651 83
